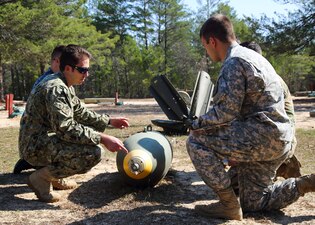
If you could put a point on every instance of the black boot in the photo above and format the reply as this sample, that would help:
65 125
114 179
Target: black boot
20 165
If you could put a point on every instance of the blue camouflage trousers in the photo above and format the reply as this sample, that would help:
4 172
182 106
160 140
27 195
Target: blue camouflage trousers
62 158
258 155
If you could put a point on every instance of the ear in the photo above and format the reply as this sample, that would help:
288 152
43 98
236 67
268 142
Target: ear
213 41
68 68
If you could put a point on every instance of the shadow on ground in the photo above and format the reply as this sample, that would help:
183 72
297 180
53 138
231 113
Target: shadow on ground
110 187
13 185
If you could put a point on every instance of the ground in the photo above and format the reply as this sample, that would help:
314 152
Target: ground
102 196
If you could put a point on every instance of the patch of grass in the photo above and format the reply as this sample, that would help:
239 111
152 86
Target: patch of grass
9 142
9 149
305 151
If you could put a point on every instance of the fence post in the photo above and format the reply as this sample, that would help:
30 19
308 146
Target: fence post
116 98
9 103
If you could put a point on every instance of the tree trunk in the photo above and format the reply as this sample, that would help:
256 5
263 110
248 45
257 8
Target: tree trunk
1 83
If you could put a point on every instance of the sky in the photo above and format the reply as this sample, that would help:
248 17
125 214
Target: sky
255 8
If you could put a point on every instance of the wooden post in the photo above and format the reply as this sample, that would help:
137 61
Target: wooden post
116 98
9 103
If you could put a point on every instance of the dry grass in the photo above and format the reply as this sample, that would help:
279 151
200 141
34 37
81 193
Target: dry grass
9 149
306 149
103 198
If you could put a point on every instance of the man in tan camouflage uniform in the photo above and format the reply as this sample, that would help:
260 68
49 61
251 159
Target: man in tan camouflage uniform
58 133
247 124
288 102
291 167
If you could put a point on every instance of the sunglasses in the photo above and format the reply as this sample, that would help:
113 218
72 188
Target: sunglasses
81 70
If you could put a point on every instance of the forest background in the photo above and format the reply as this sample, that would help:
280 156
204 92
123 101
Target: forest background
134 40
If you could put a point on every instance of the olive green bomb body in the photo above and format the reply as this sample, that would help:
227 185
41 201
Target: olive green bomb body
148 160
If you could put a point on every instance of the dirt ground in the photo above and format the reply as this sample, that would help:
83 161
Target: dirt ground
102 197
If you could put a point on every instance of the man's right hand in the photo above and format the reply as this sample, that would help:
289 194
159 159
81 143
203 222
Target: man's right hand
112 143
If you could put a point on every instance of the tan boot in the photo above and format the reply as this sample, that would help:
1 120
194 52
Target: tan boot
306 183
40 183
62 184
227 208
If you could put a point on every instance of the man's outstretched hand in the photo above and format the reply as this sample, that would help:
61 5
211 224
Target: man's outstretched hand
119 122
112 143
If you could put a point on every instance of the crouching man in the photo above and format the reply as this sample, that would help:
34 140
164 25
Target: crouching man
58 134
247 125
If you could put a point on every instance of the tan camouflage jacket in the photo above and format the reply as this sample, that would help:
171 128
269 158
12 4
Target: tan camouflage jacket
248 87
288 102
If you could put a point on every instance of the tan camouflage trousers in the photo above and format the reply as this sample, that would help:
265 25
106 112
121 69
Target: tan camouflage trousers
63 158
258 155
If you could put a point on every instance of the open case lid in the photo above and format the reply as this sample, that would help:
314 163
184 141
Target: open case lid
168 98
173 105
202 95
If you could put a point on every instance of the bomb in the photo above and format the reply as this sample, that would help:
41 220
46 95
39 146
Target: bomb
148 160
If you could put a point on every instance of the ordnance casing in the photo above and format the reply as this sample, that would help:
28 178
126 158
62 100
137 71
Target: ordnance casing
148 160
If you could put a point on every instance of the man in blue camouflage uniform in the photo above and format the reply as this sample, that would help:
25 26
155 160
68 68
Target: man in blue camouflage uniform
54 64
54 68
58 133
247 124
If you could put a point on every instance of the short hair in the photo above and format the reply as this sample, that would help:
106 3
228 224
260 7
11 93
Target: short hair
252 45
71 55
56 53
218 26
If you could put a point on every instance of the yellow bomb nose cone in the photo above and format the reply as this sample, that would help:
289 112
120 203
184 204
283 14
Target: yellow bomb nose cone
137 164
